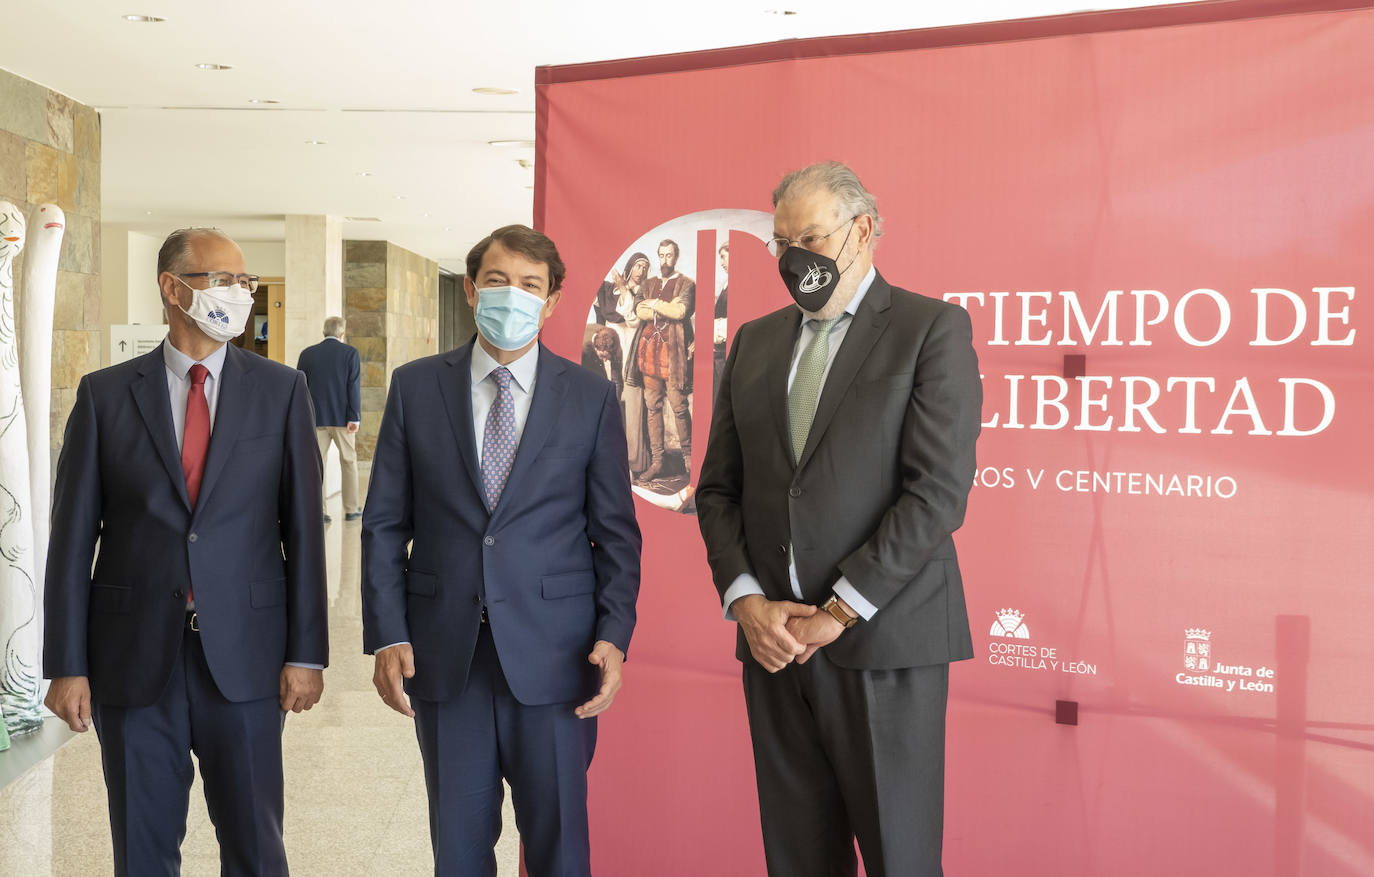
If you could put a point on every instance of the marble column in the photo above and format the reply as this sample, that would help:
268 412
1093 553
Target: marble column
314 279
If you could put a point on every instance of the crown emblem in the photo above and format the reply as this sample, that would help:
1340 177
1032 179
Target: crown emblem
1010 623
1197 633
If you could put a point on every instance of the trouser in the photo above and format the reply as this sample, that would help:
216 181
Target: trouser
654 391
348 461
146 754
470 742
842 754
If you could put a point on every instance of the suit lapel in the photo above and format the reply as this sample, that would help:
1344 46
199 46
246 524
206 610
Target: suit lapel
867 327
777 363
550 386
235 393
150 395
455 387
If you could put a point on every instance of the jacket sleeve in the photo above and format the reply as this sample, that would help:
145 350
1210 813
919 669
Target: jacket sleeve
936 458
612 528
307 632
719 513
355 405
388 527
76 512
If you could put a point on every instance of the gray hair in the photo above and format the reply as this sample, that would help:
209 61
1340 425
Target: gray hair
177 248
333 327
838 179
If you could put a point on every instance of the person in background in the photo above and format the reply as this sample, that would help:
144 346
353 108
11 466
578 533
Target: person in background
333 371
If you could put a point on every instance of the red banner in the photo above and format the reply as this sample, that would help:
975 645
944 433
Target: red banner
1160 222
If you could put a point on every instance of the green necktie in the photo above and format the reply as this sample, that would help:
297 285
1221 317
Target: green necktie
806 385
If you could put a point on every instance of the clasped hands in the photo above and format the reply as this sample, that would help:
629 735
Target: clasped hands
780 631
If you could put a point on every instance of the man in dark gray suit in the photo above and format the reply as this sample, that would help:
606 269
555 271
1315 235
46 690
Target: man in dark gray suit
839 465
333 371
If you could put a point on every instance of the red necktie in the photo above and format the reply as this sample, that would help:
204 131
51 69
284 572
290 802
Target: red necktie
196 438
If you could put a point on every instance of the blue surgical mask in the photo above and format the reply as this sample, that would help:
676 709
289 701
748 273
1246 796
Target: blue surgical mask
508 317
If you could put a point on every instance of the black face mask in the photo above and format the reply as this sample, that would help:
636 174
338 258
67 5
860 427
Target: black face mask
810 277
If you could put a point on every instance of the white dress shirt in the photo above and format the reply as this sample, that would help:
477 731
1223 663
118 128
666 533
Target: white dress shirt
745 583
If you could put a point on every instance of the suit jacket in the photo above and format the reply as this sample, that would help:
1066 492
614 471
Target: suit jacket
557 561
332 370
881 485
253 546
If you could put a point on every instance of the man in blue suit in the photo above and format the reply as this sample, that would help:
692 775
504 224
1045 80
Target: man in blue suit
195 469
501 567
332 370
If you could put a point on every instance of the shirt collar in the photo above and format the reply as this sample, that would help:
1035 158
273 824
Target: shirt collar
853 307
180 364
862 291
331 337
522 369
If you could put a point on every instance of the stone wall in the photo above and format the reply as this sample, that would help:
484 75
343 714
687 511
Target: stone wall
50 153
391 303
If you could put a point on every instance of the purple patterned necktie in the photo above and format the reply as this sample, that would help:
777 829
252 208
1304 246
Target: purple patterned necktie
498 441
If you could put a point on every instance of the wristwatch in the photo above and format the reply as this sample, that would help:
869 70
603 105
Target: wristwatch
836 611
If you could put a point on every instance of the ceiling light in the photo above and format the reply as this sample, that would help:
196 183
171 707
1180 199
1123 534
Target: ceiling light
361 219
143 19
214 67
364 173
779 12
316 142
487 89
400 197
262 100
523 143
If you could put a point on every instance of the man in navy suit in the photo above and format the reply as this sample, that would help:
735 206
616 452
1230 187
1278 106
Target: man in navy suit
503 467
332 370
195 468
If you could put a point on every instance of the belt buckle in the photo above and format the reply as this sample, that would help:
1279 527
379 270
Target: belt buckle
194 621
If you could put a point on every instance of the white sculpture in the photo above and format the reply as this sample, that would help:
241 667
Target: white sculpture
19 676
37 295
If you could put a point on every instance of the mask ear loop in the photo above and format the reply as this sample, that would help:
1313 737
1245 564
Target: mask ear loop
842 246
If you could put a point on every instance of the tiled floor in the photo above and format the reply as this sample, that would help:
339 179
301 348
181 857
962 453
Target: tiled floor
355 793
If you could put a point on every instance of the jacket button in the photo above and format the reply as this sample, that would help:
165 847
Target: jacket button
794 491
191 538
179 594
782 549
490 540
477 601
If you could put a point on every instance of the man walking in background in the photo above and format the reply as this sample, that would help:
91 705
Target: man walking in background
332 372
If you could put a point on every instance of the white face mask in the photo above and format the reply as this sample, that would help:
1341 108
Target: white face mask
221 312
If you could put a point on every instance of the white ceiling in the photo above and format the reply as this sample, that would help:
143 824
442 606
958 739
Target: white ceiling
387 86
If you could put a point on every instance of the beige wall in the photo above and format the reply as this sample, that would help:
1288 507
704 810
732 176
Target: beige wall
314 279
391 303
265 258
128 282
50 153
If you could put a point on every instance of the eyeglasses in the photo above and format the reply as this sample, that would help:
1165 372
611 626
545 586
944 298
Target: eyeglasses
778 245
218 279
